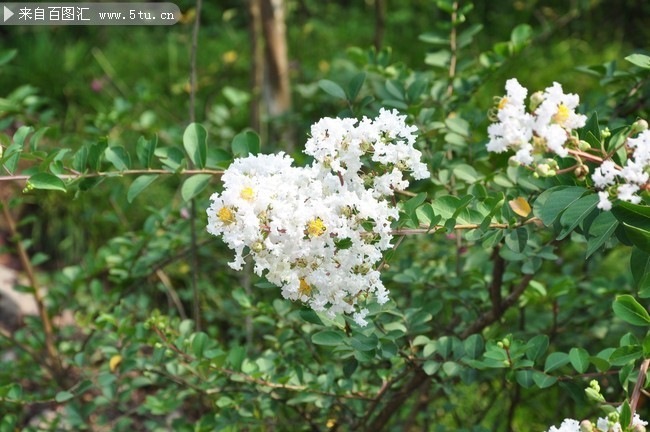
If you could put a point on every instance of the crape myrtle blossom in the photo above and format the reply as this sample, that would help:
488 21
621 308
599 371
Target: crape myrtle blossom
318 231
607 424
547 127
625 182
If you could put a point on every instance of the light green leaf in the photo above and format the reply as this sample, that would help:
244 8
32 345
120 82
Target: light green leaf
145 150
46 181
140 184
7 56
195 141
629 310
579 359
194 185
640 60
626 354
118 156
63 396
245 143
555 361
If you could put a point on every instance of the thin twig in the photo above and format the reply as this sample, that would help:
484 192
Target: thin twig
26 263
117 174
411 231
454 50
196 305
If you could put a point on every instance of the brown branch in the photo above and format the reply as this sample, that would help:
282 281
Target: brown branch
418 379
196 306
454 50
50 346
497 280
116 174
640 380
490 317
411 231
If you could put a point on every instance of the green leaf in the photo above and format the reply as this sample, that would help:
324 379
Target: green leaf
118 157
554 201
46 181
517 239
643 61
537 346
138 185
640 269
195 141
520 37
332 88
525 378
542 380
236 356
328 337
626 354
626 415
576 213
7 56
629 310
355 85
194 185
199 344
145 150
245 143
240 297
600 230
415 202
579 359
473 346
430 367
63 396
361 342
36 138
555 361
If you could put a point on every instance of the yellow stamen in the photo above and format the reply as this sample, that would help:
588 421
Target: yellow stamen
304 289
247 194
316 227
226 216
502 103
562 114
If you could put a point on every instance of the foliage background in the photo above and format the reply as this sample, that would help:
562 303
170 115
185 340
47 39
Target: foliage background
125 270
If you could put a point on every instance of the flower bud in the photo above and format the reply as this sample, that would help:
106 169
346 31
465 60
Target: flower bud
535 100
638 428
638 126
584 145
581 172
605 133
586 426
258 246
506 342
500 344
594 385
543 170
513 162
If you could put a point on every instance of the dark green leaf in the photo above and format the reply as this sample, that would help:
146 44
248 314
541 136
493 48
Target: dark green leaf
355 85
626 354
600 230
543 380
7 56
554 201
199 344
537 346
576 213
327 337
640 268
332 88
245 143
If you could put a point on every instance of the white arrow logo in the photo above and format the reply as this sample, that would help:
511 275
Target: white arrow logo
8 13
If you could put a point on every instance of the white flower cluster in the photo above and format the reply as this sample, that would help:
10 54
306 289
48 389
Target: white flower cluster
627 181
602 425
318 231
547 127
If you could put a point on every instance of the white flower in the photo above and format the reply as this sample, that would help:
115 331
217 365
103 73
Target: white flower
568 425
605 174
626 193
604 203
318 231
